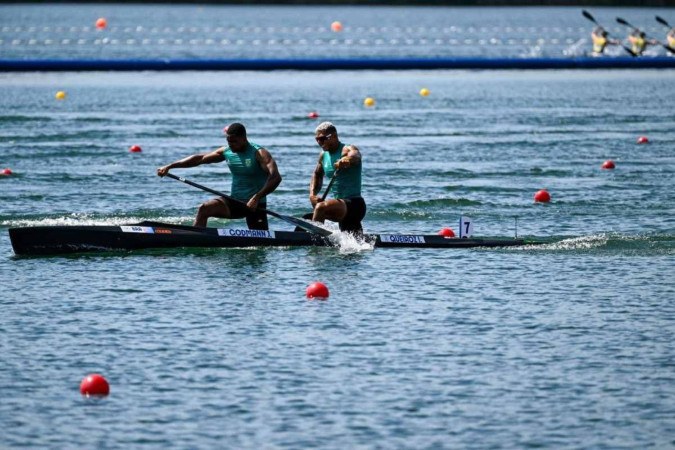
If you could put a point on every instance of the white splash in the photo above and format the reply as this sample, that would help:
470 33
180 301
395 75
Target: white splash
348 243
576 49
577 243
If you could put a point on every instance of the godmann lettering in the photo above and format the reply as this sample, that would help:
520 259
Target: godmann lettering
246 233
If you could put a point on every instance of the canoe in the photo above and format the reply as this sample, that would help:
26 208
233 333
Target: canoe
53 240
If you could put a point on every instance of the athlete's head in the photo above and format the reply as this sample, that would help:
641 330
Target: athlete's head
326 136
236 137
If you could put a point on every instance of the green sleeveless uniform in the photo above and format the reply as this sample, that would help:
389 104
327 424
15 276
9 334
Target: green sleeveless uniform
248 178
348 182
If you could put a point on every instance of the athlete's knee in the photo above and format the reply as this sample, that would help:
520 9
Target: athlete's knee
203 209
320 212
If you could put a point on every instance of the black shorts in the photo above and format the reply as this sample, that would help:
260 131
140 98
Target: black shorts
356 211
255 220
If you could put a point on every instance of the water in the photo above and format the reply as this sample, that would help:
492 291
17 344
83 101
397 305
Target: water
231 31
568 345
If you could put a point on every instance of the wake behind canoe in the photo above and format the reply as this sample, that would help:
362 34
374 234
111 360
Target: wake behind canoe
51 240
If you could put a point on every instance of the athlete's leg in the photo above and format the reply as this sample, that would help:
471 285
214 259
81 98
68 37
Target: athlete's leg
333 209
257 220
216 207
356 211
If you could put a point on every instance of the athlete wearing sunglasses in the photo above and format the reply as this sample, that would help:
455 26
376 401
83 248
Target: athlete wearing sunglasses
347 207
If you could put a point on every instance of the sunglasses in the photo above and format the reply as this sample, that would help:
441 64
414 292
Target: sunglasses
322 139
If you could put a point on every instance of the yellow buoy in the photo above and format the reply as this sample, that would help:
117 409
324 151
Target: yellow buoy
424 92
336 26
369 101
60 95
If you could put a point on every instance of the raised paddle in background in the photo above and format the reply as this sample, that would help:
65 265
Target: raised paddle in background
670 37
292 220
588 15
639 39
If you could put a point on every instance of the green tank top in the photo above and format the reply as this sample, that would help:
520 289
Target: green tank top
348 182
247 176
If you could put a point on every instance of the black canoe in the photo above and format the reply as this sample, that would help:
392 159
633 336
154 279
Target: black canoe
51 240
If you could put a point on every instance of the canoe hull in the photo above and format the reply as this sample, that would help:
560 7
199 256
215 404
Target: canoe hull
52 240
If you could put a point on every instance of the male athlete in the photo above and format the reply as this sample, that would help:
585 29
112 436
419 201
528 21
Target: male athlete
254 175
347 207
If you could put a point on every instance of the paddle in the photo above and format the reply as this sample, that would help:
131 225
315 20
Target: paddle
293 220
588 15
662 21
625 22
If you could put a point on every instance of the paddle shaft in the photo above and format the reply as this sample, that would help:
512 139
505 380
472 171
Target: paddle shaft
588 15
293 220
330 184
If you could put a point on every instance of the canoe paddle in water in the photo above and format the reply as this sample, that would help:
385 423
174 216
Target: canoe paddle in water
625 22
292 220
588 15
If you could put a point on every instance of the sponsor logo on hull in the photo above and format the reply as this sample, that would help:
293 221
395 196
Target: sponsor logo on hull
136 229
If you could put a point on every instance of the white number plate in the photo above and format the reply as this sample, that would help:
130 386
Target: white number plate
465 227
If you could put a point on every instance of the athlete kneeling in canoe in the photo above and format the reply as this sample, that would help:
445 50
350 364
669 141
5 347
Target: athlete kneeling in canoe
347 207
254 175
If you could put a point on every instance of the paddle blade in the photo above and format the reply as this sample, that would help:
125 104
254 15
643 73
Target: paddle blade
623 22
308 226
662 21
588 15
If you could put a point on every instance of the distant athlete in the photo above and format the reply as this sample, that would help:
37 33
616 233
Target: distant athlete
347 207
670 38
639 41
254 175
601 40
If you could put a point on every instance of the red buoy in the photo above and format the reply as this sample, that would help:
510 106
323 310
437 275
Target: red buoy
317 290
225 129
135 149
94 384
446 232
7 172
313 115
101 23
608 165
542 196
643 140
